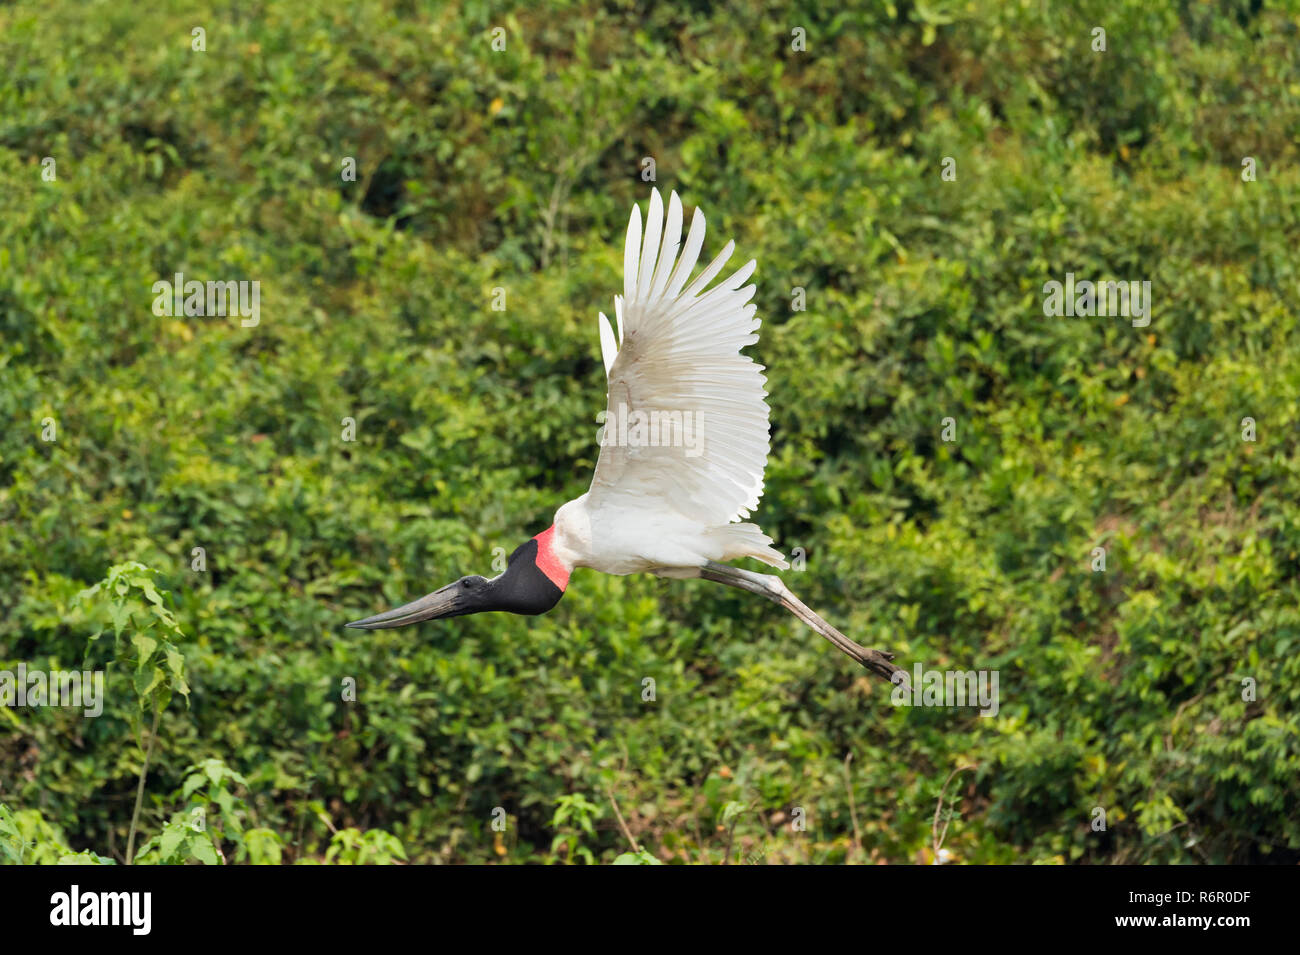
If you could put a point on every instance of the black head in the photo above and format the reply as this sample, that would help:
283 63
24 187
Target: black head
523 588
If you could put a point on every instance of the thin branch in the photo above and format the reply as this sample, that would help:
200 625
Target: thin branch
936 836
731 830
627 833
853 810
139 789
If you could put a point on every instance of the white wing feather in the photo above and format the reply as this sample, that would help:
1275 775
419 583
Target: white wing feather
678 351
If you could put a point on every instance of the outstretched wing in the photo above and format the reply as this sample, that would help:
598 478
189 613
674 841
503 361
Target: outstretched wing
676 358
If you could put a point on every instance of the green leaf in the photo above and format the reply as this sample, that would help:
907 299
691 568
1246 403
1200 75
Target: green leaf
641 857
201 849
144 646
145 682
192 784
171 839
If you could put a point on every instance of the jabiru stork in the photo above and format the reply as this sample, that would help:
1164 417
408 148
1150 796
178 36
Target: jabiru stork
671 508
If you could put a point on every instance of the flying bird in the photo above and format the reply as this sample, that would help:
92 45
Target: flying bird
683 447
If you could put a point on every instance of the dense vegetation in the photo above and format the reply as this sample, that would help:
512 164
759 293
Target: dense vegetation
1127 689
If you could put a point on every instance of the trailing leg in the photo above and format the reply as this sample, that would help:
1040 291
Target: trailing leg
774 589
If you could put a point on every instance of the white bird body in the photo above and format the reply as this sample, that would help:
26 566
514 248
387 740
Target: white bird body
670 508
642 537
683 448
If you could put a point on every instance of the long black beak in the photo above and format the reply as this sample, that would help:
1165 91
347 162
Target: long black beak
446 602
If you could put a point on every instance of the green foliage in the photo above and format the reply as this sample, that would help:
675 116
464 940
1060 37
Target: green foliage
640 857
1121 690
354 847
144 631
26 838
212 816
573 818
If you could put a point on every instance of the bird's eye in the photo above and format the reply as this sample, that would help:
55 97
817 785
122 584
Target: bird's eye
470 583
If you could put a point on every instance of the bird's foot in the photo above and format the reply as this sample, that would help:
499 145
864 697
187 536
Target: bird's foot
878 662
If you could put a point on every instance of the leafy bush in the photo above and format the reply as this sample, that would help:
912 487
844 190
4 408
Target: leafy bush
214 452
